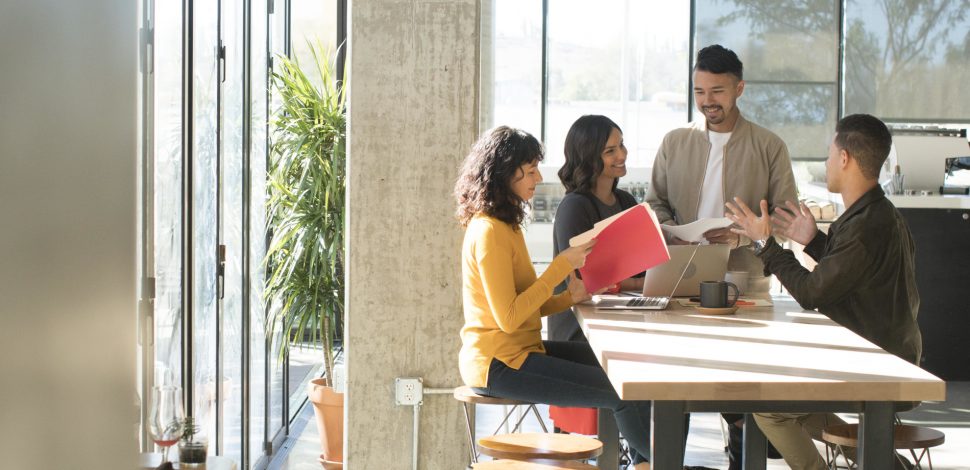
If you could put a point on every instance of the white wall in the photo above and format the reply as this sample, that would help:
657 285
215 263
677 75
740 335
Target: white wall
67 234
413 116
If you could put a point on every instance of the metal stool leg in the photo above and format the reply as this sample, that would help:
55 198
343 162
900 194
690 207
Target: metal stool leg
542 424
918 459
518 423
508 414
836 452
469 423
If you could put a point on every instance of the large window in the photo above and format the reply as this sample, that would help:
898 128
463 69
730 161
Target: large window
208 105
624 59
166 218
908 60
806 64
512 64
791 65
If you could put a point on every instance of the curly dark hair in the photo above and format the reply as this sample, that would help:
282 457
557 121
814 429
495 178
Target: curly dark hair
584 146
484 184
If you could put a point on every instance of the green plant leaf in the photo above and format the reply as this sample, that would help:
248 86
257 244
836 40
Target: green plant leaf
305 205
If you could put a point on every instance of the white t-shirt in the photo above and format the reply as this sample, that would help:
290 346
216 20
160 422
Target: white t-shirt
712 193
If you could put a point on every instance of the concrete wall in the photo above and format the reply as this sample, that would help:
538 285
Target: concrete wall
68 154
413 117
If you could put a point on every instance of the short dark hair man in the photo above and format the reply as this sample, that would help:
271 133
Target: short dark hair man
865 278
738 158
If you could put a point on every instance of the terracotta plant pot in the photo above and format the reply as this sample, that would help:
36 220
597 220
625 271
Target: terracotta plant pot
328 406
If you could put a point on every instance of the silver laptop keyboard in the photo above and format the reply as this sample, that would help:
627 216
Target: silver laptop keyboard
646 301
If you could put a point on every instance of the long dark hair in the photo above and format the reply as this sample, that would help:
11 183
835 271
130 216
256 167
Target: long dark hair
484 185
584 146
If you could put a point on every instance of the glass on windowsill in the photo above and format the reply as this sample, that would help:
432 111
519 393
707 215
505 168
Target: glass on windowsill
166 417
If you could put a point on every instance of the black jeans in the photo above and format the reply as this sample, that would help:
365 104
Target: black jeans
569 375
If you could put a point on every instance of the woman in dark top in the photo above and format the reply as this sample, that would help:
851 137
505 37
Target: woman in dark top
595 161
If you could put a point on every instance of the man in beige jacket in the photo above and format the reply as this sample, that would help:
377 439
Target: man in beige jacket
714 159
710 161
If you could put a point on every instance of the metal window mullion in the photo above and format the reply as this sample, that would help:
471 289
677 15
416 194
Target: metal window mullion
287 20
792 82
690 61
544 87
341 41
267 344
146 317
188 144
247 121
283 391
220 227
840 74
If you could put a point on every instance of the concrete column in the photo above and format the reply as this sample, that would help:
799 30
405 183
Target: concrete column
413 68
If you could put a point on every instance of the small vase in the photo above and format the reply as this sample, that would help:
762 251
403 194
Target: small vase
193 454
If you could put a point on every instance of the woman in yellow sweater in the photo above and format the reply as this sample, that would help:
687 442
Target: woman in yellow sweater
502 351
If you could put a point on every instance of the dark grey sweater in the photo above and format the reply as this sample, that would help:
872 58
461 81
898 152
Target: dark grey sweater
576 214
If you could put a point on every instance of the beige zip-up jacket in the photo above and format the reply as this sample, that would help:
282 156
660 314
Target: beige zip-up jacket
756 166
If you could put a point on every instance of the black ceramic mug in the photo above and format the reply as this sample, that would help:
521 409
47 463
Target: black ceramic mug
714 294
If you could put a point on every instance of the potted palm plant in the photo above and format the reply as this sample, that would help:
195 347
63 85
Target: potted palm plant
305 260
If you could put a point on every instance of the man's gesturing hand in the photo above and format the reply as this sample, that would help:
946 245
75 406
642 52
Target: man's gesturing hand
796 223
753 226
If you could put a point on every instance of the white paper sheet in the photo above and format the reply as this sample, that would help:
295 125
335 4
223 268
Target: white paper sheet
694 231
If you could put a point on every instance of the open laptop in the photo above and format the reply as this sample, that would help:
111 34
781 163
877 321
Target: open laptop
646 302
701 262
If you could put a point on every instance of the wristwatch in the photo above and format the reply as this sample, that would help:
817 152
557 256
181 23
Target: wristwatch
759 245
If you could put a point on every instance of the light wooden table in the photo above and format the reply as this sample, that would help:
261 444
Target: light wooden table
778 358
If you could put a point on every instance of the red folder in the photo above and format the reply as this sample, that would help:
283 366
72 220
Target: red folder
626 244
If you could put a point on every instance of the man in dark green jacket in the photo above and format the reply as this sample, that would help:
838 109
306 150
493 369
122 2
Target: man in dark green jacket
865 278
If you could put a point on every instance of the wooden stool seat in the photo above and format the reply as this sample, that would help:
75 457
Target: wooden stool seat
535 446
907 437
533 465
904 436
468 395
470 398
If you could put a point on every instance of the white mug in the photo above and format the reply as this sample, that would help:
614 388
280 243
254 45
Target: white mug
738 278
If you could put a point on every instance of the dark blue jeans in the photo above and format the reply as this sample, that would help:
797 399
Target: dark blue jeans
569 375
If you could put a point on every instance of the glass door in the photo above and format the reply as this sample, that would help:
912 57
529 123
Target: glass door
255 353
232 249
276 370
202 318
206 101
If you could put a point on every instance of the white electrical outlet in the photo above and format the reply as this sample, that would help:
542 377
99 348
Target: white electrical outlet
409 390
339 378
